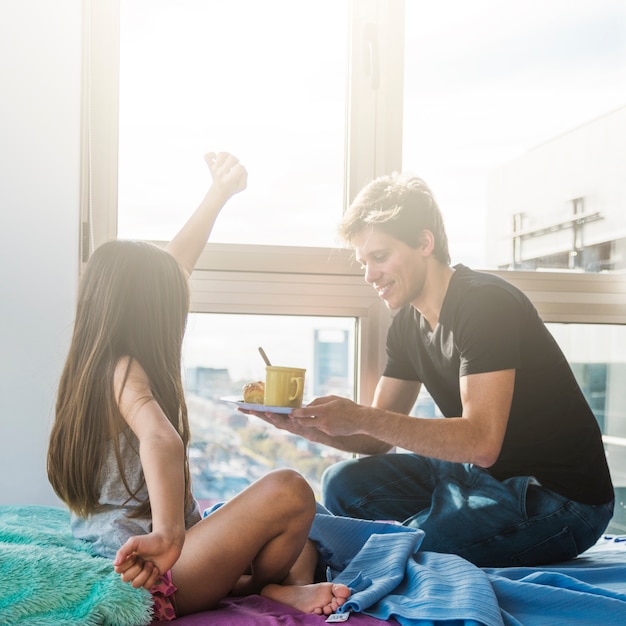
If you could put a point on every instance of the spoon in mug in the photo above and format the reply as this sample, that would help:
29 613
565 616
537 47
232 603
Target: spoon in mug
264 356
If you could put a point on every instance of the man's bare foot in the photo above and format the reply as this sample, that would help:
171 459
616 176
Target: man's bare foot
318 598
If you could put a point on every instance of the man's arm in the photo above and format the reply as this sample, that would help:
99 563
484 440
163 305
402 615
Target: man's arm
390 394
474 437
393 394
358 444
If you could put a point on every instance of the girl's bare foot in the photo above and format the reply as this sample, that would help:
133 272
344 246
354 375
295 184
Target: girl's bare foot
318 598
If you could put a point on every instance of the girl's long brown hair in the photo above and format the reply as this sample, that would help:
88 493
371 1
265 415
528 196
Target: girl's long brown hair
133 302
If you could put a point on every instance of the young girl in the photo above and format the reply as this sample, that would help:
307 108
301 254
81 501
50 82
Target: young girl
118 446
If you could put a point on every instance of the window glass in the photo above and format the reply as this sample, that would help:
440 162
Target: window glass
229 449
597 354
514 114
263 80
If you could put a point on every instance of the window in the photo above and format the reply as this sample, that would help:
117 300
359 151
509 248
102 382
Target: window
230 449
299 308
513 114
305 94
597 354
263 80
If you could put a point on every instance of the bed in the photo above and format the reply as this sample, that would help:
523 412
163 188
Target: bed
49 578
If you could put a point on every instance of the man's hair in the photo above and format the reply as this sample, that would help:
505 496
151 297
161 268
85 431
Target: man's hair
400 205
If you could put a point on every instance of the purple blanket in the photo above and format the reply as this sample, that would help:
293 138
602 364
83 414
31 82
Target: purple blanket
258 611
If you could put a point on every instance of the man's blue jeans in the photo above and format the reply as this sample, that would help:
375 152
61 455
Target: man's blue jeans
464 510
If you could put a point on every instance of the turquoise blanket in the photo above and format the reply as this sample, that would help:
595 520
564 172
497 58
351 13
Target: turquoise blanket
49 578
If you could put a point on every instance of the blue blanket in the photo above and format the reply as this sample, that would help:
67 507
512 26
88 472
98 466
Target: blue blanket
390 576
49 578
589 590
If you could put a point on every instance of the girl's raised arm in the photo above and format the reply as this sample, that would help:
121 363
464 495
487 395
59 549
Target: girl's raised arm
229 178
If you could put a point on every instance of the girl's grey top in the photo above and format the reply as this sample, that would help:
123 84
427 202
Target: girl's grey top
110 526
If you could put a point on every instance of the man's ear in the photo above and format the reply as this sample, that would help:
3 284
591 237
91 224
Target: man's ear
426 242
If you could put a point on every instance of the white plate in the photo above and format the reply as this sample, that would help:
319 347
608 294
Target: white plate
261 408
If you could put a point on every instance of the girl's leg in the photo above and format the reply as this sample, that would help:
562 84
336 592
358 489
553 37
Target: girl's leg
262 530
302 572
296 589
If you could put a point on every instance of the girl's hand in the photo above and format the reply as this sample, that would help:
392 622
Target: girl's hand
137 572
229 176
144 558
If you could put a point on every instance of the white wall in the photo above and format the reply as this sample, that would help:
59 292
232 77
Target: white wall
40 66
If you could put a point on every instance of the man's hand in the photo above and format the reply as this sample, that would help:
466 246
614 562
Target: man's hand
285 422
331 421
323 418
332 415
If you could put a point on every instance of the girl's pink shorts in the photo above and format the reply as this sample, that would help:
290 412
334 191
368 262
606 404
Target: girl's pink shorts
163 606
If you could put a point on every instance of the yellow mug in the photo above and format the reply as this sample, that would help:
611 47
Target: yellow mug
284 386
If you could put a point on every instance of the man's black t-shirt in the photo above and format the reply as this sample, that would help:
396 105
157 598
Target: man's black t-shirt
485 325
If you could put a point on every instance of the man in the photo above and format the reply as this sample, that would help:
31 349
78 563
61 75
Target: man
516 472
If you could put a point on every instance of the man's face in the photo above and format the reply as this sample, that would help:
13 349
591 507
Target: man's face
395 270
